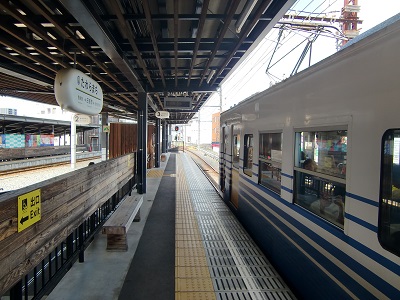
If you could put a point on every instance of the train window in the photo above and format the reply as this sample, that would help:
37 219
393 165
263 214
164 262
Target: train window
236 150
270 161
320 172
248 155
389 204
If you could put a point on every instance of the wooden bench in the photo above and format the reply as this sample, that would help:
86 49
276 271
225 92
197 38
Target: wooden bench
118 224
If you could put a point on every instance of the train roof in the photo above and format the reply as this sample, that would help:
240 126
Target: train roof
351 48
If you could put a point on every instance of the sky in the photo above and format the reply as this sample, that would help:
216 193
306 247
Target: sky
251 76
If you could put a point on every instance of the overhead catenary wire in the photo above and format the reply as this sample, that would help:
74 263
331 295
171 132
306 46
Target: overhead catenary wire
240 83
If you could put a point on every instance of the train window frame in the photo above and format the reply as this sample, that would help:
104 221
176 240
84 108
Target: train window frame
248 154
236 150
270 157
389 193
319 183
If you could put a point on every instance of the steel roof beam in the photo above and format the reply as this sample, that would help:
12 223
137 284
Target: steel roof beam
115 6
144 40
185 47
67 35
103 38
181 17
221 33
176 32
181 87
43 35
150 27
202 20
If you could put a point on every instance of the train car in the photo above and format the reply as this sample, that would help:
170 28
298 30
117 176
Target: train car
311 167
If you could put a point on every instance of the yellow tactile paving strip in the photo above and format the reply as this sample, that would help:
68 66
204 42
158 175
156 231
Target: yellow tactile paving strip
192 276
155 173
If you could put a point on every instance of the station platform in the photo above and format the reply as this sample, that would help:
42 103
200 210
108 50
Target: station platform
187 245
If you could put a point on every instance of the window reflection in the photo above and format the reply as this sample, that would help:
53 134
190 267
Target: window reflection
328 149
320 172
321 196
248 155
236 150
270 161
389 209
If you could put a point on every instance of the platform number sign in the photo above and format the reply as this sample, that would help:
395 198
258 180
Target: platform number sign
29 209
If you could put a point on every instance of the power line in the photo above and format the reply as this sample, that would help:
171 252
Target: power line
304 17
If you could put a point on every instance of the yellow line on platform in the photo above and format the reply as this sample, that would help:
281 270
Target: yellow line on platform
192 276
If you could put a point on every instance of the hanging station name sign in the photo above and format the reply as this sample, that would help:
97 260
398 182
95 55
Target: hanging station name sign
77 92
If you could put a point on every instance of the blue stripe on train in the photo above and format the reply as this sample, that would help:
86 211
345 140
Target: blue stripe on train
333 229
305 279
369 276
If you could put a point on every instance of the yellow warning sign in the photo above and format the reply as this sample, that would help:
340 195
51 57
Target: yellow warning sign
29 209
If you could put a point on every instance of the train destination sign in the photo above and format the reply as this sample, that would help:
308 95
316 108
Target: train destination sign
29 209
77 92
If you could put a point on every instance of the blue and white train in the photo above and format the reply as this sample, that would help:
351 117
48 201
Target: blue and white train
311 167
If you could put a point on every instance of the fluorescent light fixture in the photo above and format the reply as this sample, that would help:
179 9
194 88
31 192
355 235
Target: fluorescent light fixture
210 76
247 9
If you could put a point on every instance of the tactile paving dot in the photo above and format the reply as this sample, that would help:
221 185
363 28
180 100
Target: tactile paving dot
185 272
193 285
195 296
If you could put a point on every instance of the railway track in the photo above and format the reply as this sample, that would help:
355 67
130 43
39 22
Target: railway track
44 166
28 174
208 170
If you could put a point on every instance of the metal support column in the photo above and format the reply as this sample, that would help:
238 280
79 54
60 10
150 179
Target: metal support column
157 145
164 137
169 133
104 137
142 143
73 141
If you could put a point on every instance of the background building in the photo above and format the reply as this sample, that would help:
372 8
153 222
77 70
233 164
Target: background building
215 137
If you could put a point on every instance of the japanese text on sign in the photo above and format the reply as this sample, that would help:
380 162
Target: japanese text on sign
29 209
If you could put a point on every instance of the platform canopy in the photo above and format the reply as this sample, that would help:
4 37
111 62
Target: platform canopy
180 49
28 125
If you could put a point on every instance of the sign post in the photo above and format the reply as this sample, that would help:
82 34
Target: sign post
78 93
73 142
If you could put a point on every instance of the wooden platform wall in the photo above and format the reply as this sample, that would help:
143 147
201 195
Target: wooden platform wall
66 201
123 140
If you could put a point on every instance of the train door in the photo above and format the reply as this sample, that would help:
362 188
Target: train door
222 175
234 199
